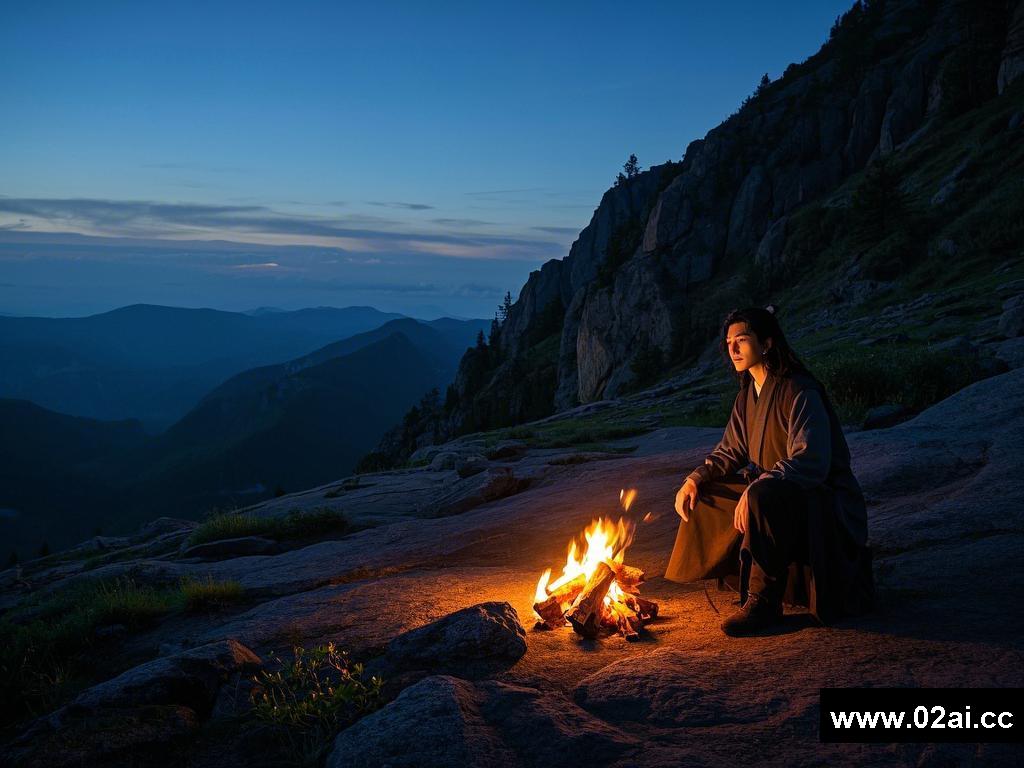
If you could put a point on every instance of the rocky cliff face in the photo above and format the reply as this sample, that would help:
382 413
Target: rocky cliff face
891 73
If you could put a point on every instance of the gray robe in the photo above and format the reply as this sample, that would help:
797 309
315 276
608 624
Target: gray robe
790 431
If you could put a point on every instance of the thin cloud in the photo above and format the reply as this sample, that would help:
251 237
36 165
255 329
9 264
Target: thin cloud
120 218
263 265
462 222
403 206
557 230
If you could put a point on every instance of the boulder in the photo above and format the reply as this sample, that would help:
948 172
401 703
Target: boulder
445 721
244 546
468 466
882 416
478 638
426 454
191 678
495 483
444 460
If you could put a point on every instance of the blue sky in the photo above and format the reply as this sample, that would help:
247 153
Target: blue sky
426 155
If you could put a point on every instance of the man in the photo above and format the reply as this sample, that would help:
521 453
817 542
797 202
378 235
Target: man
775 504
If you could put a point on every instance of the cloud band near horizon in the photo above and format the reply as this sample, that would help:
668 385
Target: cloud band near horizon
258 223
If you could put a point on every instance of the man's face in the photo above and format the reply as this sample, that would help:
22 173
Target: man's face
743 347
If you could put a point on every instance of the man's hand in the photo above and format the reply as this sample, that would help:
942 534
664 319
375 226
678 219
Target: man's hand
686 499
739 518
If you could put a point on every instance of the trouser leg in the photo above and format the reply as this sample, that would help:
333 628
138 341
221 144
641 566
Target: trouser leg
708 546
776 534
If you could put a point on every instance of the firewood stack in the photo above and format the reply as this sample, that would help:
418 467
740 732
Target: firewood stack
582 602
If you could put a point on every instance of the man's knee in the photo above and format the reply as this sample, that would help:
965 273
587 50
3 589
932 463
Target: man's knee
767 493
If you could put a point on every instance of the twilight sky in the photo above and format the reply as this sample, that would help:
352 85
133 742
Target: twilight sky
417 157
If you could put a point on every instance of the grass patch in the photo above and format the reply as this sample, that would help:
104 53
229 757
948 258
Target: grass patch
50 648
46 644
297 524
204 595
313 697
570 433
859 378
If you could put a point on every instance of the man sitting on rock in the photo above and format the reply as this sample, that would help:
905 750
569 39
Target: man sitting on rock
775 507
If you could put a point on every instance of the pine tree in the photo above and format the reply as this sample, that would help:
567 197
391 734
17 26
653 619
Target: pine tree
631 167
505 308
495 331
763 85
44 549
481 342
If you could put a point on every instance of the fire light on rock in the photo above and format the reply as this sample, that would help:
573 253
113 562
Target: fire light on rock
596 589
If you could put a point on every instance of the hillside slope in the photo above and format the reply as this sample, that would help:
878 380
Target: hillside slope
873 188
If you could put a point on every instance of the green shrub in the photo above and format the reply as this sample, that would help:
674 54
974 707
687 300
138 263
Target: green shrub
313 697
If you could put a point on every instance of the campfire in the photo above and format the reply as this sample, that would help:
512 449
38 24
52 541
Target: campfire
597 592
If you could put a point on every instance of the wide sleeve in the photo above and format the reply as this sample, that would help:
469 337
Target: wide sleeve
809 444
731 452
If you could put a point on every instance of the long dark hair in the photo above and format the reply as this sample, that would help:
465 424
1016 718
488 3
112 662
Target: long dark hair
780 360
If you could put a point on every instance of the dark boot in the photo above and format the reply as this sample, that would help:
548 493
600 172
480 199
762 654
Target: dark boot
756 614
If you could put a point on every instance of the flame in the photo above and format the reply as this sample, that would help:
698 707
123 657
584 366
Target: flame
605 541
627 497
542 587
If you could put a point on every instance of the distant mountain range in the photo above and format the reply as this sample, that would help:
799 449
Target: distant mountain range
284 426
153 363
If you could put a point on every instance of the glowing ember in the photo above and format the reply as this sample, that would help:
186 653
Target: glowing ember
596 589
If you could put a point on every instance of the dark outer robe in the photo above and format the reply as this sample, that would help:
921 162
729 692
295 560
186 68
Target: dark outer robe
790 431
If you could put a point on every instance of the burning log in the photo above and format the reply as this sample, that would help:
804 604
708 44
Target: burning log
627 628
550 609
597 592
585 615
627 576
645 609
